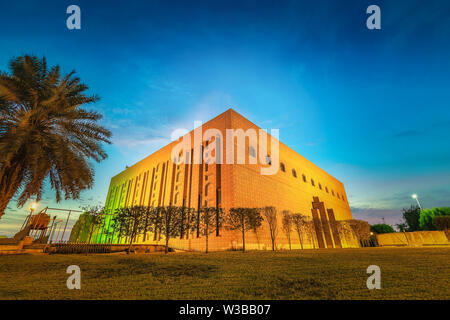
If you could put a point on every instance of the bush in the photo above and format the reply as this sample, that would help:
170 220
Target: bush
427 215
381 228
441 222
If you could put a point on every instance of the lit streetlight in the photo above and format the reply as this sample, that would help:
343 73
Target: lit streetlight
414 196
27 219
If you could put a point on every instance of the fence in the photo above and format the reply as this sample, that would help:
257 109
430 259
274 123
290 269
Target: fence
413 239
70 248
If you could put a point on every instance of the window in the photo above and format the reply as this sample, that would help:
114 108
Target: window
178 177
268 160
206 189
326 189
304 178
343 199
282 167
320 186
251 152
338 195
312 182
294 173
332 192
176 199
206 167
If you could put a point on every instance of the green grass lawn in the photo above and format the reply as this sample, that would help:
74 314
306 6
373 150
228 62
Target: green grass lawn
406 273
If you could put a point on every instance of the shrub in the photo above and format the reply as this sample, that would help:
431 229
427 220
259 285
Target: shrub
427 215
441 222
381 228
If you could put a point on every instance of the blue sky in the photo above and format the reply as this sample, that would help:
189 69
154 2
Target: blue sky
371 107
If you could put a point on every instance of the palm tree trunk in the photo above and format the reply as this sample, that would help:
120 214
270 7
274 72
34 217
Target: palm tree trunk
10 179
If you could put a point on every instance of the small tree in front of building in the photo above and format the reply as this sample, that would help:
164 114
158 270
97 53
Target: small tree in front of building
169 220
130 222
95 215
208 222
287 225
270 215
300 223
243 219
361 229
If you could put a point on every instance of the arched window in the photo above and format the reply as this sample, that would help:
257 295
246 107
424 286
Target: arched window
320 186
294 173
332 192
251 152
282 167
326 189
304 178
312 182
338 195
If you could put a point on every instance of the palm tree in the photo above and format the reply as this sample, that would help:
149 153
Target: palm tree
45 132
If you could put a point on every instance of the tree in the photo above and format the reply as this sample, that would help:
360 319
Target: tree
411 218
287 225
208 223
243 219
188 222
95 215
130 221
381 228
300 223
360 228
80 230
270 215
45 132
170 220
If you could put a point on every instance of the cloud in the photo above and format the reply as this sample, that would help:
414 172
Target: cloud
374 216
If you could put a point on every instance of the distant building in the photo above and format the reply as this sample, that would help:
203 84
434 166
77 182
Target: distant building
299 186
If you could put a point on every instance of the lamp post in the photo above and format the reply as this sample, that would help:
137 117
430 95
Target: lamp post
27 219
414 196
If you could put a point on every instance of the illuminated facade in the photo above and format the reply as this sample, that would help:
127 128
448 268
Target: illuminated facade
299 186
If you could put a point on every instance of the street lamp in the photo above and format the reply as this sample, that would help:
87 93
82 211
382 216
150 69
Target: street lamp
27 219
414 196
